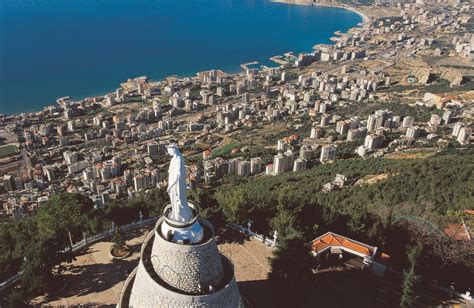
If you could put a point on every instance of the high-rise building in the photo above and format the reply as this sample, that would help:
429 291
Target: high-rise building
289 160
457 129
105 173
278 163
355 133
435 120
19 184
109 100
88 175
305 152
153 149
325 118
328 153
244 168
447 116
413 132
354 122
299 164
255 165
323 107
379 121
70 157
408 121
221 167
51 173
464 135
9 182
371 122
138 182
155 178
78 167
71 125
315 133
233 165
342 126
127 177
373 141
281 145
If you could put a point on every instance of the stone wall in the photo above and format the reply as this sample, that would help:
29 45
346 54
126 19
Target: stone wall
148 292
187 267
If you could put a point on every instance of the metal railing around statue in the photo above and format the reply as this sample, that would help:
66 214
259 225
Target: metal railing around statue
83 243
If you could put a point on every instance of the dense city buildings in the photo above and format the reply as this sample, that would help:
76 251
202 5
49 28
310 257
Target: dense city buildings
393 86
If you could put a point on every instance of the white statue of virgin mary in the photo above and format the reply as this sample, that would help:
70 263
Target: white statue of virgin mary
177 186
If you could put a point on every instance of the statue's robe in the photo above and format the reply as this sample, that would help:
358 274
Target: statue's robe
177 175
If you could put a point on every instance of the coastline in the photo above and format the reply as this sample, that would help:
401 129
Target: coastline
365 21
365 18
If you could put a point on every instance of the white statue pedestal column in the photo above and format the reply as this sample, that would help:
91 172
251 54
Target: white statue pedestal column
189 232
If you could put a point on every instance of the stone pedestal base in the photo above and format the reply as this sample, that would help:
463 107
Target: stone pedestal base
173 275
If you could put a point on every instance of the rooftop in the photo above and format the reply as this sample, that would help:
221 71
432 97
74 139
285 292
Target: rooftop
330 239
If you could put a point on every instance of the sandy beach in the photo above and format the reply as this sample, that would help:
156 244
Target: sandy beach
364 17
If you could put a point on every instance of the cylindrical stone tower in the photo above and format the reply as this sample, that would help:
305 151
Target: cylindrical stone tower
181 274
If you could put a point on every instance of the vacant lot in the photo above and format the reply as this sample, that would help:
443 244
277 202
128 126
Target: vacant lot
416 154
371 179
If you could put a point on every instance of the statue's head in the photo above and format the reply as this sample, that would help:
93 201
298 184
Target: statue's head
172 149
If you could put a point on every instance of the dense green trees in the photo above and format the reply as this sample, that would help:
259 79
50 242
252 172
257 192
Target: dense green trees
14 239
43 259
424 188
291 261
410 278
416 195
37 244
413 204
64 217
59 223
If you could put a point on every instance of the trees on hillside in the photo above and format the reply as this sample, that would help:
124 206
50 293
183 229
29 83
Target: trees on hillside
381 213
410 278
59 222
64 217
291 261
15 237
42 264
62 220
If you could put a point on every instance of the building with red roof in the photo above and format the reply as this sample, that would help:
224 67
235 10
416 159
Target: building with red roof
332 244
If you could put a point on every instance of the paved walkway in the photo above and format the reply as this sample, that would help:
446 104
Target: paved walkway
96 279
251 264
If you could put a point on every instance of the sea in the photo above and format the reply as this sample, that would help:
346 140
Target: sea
82 48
